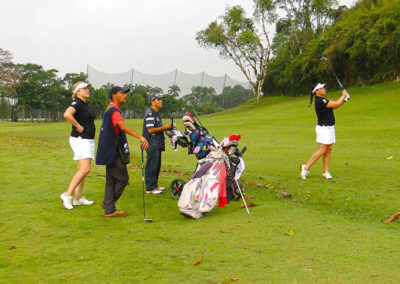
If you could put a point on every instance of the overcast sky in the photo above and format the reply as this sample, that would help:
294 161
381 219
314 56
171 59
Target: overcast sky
113 36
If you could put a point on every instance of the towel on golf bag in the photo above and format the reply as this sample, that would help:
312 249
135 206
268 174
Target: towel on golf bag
222 195
200 194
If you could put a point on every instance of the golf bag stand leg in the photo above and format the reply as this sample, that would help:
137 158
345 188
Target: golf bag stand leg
241 194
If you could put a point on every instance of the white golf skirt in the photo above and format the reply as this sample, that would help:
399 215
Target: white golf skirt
325 134
82 148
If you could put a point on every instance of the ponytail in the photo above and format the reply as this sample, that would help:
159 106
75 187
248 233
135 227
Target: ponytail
311 99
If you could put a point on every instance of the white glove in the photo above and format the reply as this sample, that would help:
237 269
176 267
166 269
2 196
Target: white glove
347 97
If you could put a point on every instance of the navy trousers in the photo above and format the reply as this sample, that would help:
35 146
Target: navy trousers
153 165
117 179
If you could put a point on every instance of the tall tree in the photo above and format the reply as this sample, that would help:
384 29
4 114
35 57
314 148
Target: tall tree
71 78
237 38
40 89
154 90
8 81
174 90
303 21
137 103
98 101
200 96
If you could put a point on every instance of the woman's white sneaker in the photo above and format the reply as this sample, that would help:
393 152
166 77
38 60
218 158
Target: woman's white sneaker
82 201
327 175
303 172
66 201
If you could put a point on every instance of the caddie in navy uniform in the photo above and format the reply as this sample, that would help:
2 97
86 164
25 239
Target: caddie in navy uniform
153 131
325 129
113 151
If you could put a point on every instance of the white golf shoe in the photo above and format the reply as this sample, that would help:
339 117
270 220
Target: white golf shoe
66 201
303 172
327 175
82 201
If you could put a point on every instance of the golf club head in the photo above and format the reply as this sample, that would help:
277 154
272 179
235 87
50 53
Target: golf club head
148 220
324 58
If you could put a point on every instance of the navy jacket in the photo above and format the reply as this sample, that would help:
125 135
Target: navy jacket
109 142
152 119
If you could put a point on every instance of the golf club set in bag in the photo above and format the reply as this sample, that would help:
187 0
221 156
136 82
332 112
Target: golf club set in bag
218 169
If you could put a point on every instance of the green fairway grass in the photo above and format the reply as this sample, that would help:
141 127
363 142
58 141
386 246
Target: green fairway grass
327 232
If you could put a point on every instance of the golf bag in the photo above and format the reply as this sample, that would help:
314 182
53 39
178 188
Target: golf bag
218 168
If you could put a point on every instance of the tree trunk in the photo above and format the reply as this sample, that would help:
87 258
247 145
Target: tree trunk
14 113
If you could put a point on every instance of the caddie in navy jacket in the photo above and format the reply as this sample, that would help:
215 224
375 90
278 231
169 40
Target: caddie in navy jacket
113 151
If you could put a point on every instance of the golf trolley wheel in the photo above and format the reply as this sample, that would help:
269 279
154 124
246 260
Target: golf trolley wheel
176 188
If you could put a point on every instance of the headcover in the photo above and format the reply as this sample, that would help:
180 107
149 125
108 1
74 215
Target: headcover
188 121
188 124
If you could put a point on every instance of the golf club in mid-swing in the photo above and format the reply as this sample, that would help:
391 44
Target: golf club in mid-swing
340 84
147 220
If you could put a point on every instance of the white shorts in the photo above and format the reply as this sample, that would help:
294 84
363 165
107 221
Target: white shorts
325 134
82 148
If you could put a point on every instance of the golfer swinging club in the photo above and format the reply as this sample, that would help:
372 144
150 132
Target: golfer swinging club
325 128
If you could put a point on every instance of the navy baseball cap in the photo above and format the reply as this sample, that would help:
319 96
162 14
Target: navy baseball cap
116 89
153 97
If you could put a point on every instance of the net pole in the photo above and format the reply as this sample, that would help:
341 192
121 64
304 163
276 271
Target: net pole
176 74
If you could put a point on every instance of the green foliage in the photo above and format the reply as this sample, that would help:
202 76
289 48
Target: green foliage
137 103
236 37
174 90
200 96
142 90
40 89
5 108
172 105
71 78
232 97
98 101
363 47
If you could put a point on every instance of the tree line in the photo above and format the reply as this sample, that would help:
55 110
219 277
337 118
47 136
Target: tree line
29 92
361 44
362 47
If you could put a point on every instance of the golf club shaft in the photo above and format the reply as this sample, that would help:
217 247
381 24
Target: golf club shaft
241 194
144 204
330 67
198 118
340 84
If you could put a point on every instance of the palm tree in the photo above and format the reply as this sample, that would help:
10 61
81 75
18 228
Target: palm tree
174 90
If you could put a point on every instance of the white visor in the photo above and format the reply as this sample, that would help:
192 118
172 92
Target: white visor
80 86
318 86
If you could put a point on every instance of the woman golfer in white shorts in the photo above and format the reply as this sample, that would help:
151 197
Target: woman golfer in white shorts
325 129
81 141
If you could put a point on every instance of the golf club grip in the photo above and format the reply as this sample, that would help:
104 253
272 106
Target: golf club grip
243 150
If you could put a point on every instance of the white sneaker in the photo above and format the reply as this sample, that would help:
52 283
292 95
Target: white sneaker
82 201
161 188
155 191
303 172
66 201
327 175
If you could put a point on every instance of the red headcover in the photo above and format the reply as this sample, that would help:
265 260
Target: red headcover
234 137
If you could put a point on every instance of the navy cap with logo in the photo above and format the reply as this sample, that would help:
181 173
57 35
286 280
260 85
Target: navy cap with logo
153 97
116 89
